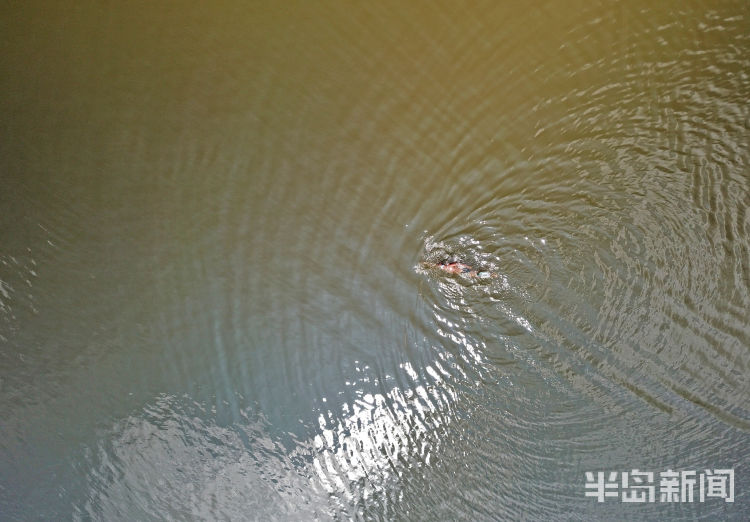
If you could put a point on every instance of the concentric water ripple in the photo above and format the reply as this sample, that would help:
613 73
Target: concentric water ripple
218 291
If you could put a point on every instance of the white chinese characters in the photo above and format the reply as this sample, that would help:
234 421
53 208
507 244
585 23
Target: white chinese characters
674 486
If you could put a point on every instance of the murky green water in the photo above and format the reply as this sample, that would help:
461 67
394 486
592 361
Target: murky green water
213 302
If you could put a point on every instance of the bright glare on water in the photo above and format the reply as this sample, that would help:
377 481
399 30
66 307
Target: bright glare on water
398 261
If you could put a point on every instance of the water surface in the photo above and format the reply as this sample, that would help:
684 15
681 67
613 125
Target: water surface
214 220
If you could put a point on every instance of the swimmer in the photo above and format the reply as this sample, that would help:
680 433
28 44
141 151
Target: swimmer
454 267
